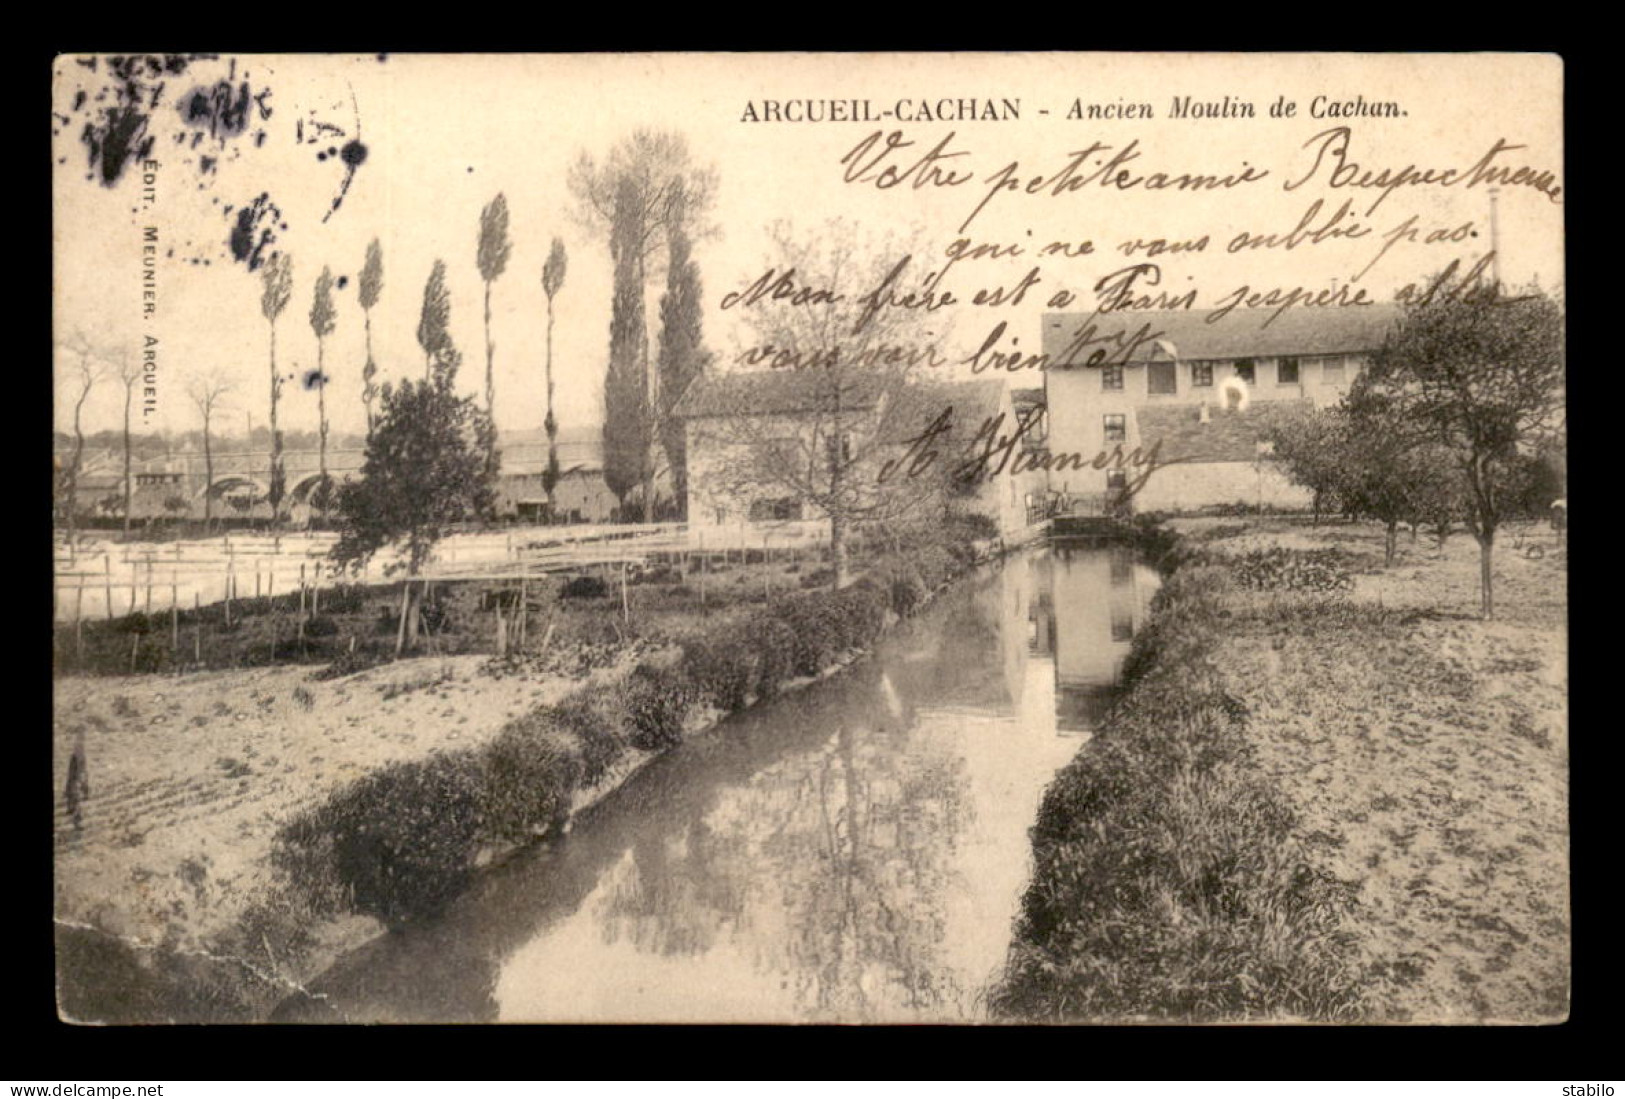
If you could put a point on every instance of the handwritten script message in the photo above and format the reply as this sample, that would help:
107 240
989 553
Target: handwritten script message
1247 215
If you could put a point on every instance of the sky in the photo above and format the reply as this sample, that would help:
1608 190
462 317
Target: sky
444 134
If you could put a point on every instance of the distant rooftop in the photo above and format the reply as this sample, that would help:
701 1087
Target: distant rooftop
1239 334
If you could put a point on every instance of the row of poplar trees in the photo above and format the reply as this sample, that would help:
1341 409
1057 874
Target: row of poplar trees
433 334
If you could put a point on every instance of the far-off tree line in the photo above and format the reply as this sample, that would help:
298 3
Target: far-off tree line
647 201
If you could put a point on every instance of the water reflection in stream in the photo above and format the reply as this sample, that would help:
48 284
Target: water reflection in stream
854 852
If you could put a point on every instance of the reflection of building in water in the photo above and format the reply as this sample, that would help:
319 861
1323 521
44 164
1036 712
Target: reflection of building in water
1088 604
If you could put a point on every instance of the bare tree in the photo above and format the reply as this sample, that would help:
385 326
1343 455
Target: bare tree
277 291
207 390
88 370
826 450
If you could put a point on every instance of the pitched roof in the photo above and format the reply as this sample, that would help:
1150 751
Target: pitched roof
1240 333
779 392
1230 435
913 408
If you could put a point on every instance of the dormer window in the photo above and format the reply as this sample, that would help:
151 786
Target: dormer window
1160 379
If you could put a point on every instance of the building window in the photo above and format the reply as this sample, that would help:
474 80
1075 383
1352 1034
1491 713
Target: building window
1111 376
1116 427
1246 371
1160 379
1286 372
1331 369
1201 374
1116 480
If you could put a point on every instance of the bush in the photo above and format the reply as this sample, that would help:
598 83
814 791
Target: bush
398 843
775 654
321 626
861 613
657 705
934 564
1279 569
598 719
972 526
345 599
532 769
584 587
816 629
722 668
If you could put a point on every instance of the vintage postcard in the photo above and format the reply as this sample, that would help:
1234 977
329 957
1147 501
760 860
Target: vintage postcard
808 538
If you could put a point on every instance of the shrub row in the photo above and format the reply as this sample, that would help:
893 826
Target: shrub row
1167 881
401 841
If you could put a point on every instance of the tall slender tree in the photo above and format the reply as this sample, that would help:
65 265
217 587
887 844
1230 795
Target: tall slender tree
552 282
372 284
322 318
434 334
682 356
492 256
130 374
207 390
632 194
275 293
628 419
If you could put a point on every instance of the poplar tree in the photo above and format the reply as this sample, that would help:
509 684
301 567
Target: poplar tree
322 318
371 285
682 356
434 321
552 282
628 434
492 256
276 291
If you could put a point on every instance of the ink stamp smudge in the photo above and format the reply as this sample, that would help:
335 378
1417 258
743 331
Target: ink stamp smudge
118 124
255 231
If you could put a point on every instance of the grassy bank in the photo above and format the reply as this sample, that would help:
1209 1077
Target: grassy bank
1326 793
404 831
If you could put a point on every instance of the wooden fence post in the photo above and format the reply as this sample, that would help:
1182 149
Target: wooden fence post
197 627
108 562
78 620
149 586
